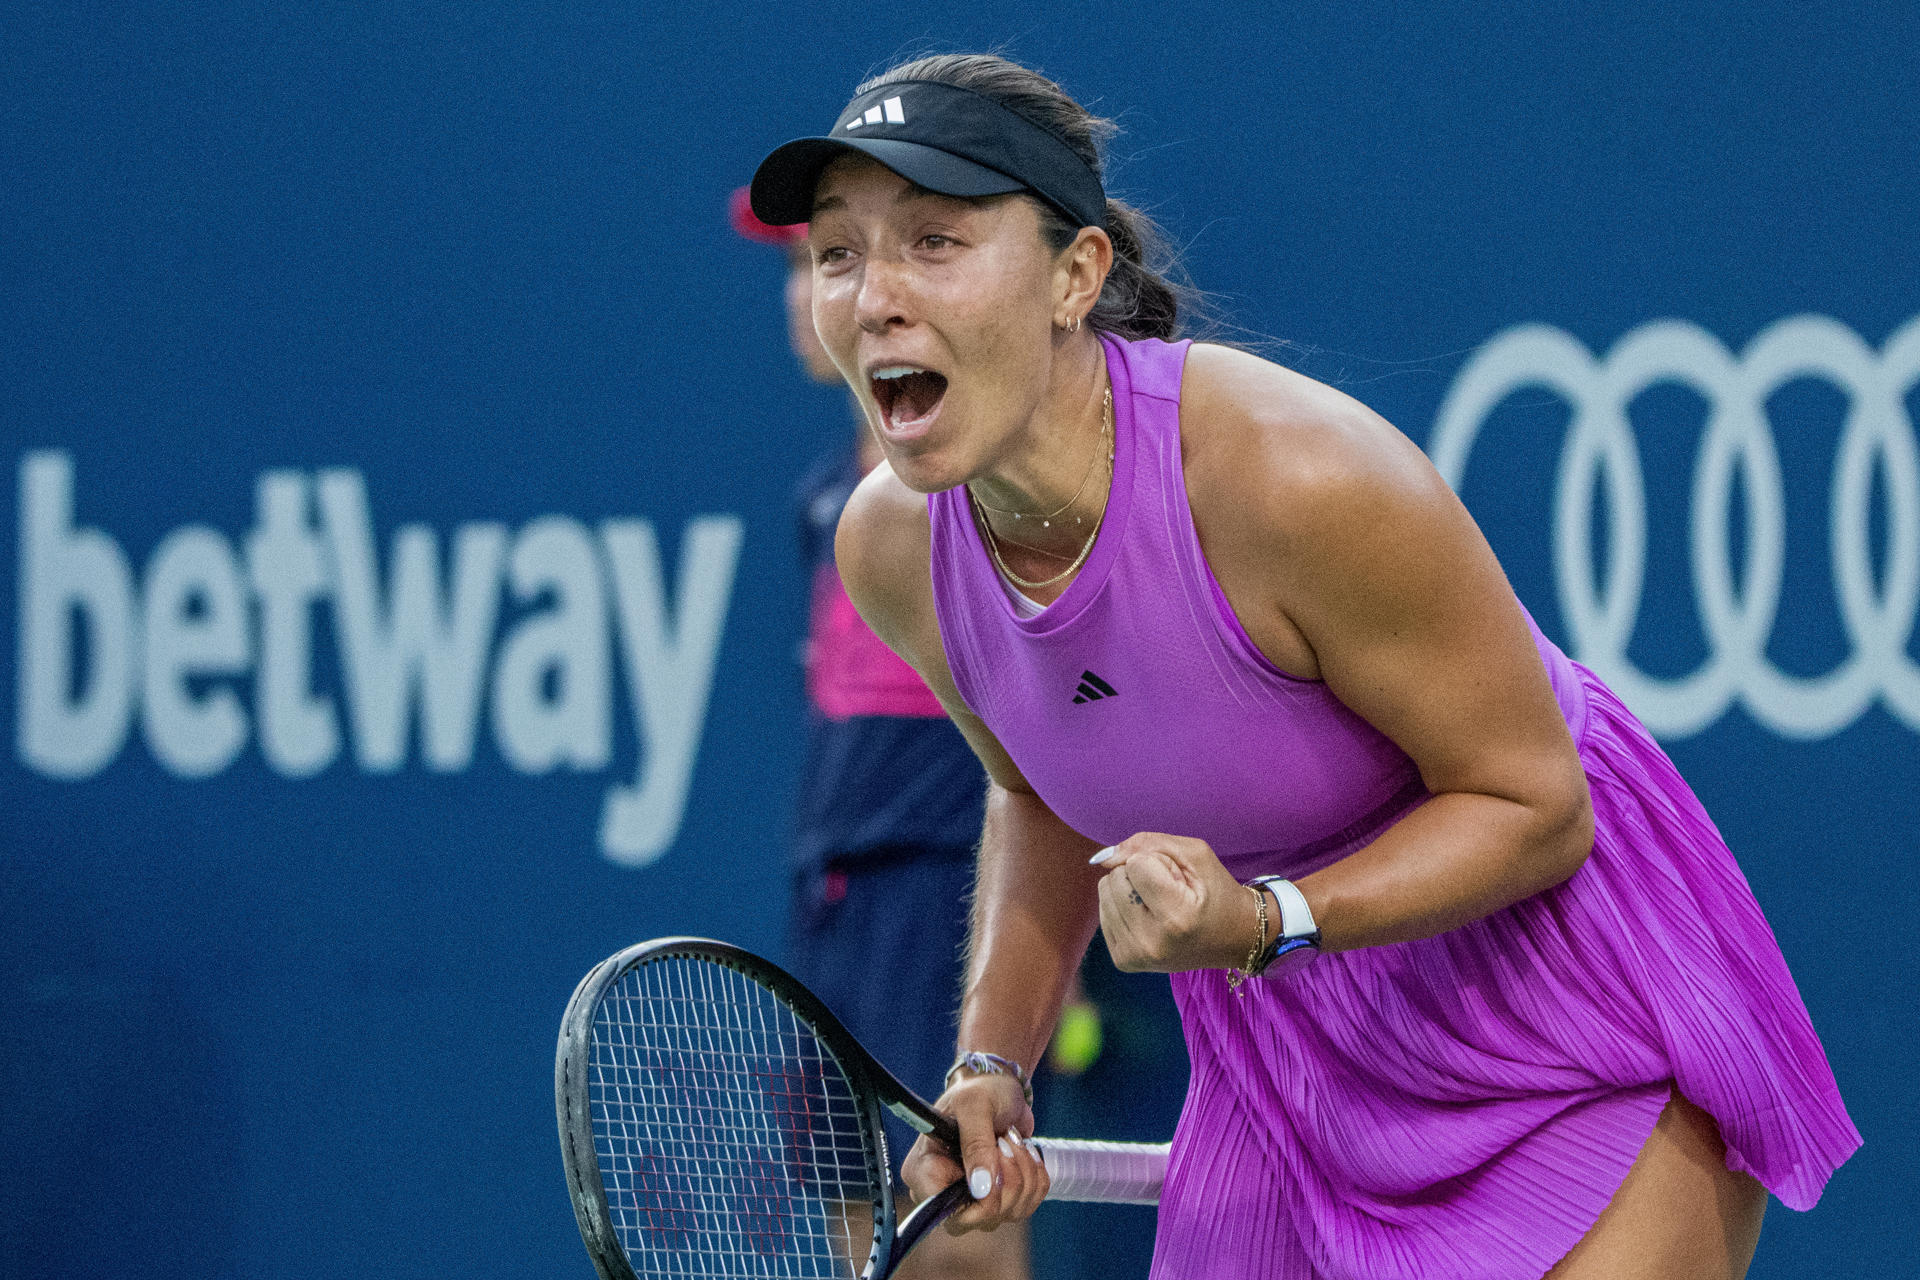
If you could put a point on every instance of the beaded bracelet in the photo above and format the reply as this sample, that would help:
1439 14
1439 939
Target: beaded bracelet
990 1064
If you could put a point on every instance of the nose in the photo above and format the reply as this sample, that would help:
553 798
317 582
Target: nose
885 297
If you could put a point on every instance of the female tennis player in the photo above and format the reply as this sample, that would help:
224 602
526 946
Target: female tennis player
1470 983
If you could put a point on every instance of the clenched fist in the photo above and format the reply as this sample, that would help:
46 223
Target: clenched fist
1167 904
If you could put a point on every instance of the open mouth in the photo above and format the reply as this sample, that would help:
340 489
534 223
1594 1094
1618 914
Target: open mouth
908 397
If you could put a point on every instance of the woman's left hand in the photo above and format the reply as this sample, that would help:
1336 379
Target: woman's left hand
1168 905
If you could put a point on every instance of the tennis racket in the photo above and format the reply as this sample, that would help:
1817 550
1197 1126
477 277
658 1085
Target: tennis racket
717 1120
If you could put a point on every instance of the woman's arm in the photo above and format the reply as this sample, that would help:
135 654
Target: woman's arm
1035 907
1034 900
1347 558
1034 911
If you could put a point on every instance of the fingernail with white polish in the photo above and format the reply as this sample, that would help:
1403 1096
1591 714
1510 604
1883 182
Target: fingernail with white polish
1006 1149
1100 858
980 1182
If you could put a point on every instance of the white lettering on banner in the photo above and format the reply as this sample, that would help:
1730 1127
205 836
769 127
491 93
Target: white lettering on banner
669 671
93 647
299 733
70 723
1878 616
414 641
196 624
555 556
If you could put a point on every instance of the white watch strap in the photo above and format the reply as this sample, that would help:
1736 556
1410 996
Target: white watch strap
1296 918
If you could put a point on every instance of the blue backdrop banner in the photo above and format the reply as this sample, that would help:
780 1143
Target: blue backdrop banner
400 573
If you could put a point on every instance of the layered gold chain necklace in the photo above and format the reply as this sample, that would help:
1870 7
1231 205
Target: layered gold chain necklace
980 510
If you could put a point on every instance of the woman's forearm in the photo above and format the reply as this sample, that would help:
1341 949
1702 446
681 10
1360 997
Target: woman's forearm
1454 859
1035 908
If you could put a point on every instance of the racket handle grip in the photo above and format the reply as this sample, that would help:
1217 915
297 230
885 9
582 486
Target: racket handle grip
1106 1172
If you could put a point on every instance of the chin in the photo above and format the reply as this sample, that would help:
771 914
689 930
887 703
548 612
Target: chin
924 471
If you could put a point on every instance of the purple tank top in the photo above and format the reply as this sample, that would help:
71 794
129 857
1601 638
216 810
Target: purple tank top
1136 701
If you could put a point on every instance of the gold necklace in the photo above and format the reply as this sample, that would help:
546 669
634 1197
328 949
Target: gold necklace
1046 520
980 510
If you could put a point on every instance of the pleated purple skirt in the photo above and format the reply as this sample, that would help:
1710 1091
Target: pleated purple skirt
1465 1106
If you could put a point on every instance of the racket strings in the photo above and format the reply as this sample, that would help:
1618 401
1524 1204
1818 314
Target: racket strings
729 1139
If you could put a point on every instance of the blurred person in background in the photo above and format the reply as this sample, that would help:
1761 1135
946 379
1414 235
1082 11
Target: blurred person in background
889 811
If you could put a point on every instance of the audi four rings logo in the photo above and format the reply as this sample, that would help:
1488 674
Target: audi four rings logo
1878 615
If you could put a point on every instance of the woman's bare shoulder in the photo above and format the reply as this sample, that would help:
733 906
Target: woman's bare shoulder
1299 494
1274 445
882 550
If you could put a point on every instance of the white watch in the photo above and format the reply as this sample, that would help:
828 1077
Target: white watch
1297 940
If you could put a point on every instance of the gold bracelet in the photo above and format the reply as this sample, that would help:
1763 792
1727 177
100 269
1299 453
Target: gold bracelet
1237 976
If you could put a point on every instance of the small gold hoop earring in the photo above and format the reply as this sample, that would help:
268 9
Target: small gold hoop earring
1073 324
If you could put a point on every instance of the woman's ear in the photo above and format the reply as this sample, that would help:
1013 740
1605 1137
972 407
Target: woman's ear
1081 271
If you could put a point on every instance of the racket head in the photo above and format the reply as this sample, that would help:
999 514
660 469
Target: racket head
711 1107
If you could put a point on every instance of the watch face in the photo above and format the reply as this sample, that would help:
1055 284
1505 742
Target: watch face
1293 953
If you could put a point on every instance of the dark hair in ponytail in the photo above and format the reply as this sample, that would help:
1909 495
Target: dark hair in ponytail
1143 297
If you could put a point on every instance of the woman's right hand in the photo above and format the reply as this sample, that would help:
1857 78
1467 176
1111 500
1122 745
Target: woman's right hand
994 1122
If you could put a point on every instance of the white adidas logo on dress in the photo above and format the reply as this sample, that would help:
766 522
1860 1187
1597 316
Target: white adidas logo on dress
888 110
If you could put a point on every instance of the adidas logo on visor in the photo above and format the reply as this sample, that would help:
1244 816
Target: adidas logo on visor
889 110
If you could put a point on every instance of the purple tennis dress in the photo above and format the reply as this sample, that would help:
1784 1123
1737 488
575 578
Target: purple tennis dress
1462 1106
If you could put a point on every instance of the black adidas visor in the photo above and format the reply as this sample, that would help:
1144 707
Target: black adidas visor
947 139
